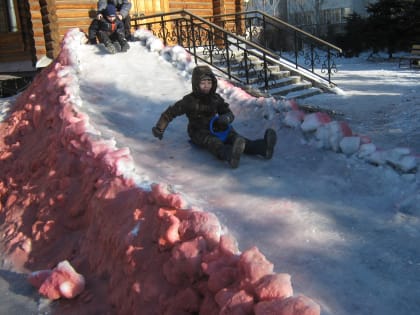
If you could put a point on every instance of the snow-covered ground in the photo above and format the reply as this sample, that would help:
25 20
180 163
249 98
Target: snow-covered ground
344 226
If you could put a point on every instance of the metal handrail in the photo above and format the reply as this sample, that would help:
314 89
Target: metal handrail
277 20
196 33
302 49
232 51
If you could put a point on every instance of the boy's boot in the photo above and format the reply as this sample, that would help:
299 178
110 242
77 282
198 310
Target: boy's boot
125 46
263 147
232 153
92 41
117 46
123 42
270 139
109 46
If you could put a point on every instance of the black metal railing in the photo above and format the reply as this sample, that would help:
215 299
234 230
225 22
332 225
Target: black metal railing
292 45
230 42
241 60
12 84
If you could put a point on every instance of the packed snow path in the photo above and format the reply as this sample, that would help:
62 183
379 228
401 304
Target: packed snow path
330 221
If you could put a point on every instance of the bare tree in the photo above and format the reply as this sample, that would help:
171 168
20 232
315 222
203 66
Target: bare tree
307 12
267 6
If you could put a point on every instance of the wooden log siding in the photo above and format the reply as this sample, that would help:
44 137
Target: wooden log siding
71 14
147 7
52 18
37 28
201 8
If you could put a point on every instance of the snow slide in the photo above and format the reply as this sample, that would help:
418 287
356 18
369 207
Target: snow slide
66 196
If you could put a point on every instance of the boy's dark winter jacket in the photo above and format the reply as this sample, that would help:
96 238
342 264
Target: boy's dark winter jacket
106 31
110 27
199 108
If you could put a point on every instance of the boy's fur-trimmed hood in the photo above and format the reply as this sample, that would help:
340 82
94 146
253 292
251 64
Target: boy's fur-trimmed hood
198 73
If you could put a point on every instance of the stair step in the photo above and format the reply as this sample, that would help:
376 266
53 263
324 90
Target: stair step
237 68
303 93
284 90
281 82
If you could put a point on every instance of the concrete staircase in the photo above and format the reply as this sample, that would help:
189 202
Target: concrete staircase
283 83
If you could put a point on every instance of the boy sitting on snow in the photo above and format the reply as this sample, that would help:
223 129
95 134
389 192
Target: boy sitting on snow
123 13
208 116
110 31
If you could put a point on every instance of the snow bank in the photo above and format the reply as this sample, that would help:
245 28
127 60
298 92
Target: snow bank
326 133
68 196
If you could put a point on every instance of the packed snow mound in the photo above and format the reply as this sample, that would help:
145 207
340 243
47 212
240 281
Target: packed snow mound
69 196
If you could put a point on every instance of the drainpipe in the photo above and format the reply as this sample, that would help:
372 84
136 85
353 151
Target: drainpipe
12 16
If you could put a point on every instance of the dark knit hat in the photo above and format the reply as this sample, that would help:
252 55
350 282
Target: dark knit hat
206 77
110 10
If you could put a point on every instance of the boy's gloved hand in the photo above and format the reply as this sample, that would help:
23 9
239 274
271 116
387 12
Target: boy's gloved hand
158 133
224 120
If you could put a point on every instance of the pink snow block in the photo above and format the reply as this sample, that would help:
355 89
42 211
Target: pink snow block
168 231
312 121
162 195
349 145
222 278
200 223
295 305
36 115
292 104
77 128
189 299
277 286
345 129
185 264
365 139
100 148
118 157
228 244
260 101
294 118
209 306
64 281
36 278
216 260
253 265
186 301
234 303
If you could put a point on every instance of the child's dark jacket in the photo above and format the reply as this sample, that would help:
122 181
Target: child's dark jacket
103 25
198 108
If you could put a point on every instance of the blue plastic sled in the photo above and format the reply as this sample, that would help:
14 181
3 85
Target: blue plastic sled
222 135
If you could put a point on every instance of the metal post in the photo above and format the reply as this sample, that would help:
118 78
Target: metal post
162 24
12 16
193 39
227 53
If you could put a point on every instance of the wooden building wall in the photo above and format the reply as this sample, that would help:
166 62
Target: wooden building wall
18 45
52 18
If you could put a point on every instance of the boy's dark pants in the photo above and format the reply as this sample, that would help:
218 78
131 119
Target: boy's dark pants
205 139
94 29
114 37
